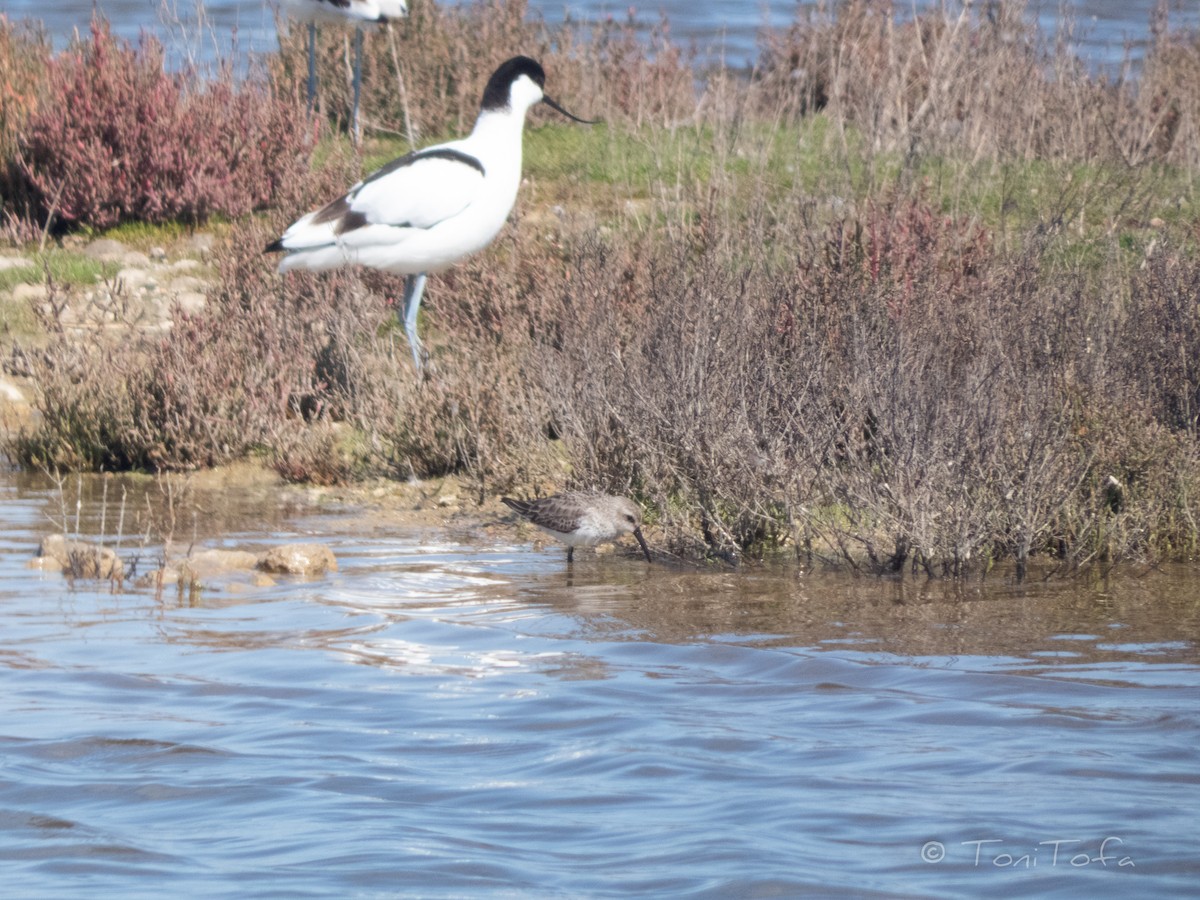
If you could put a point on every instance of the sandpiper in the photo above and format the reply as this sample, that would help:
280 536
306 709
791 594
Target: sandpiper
428 210
583 519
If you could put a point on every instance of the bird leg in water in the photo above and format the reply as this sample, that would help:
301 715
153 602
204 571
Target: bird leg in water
414 287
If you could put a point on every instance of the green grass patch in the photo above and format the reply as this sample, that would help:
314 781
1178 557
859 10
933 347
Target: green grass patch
63 266
17 319
143 235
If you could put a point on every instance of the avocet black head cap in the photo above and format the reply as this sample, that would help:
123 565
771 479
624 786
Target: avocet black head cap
498 93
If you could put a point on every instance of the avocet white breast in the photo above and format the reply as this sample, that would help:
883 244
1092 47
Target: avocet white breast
429 209
346 12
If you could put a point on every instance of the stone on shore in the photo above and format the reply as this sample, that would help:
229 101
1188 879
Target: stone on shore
78 559
208 568
231 569
299 559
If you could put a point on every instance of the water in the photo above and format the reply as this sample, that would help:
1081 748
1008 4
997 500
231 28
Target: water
453 714
1102 30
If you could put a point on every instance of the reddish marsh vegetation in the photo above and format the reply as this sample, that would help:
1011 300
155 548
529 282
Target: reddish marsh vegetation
106 136
913 295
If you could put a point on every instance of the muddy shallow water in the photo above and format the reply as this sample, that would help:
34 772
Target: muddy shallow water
453 714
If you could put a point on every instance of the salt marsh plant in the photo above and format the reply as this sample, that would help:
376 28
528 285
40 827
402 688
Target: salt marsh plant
912 295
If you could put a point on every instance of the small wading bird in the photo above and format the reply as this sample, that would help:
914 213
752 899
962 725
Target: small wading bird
345 12
580 519
428 210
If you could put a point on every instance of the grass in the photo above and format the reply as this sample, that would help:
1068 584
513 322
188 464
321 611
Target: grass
17 320
918 309
66 267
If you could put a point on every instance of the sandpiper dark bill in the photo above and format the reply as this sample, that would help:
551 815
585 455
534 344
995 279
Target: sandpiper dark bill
583 519
432 208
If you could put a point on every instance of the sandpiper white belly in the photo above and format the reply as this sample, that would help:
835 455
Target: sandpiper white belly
583 519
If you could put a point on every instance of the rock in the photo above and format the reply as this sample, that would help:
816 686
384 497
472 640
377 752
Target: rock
202 244
23 293
157 254
191 301
10 393
182 283
79 559
185 265
105 249
14 262
201 568
133 278
299 559
212 562
135 258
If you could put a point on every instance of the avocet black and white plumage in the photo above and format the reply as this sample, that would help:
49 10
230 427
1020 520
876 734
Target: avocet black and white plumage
583 518
345 12
429 209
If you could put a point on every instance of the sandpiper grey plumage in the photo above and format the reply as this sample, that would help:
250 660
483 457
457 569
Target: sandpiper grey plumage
582 518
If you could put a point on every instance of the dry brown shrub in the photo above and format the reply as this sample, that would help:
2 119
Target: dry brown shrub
1166 126
980 80
429 70
909 399
875 380
1157 341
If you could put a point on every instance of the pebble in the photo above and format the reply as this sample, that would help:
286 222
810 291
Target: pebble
191 301
299 559
105 249
83 559
183 283
133 278
154 284
23 293
202 244
10 392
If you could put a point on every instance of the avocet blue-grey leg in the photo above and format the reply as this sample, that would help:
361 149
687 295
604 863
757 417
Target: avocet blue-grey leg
430 208
414 287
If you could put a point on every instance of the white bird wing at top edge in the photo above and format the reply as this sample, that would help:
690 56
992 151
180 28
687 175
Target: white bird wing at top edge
351 11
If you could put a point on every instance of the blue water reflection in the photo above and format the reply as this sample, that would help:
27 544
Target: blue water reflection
1100 29
454 716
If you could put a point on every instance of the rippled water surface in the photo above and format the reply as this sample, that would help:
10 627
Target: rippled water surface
454 714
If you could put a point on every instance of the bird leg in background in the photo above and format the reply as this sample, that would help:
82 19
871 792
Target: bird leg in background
414 287
312 67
